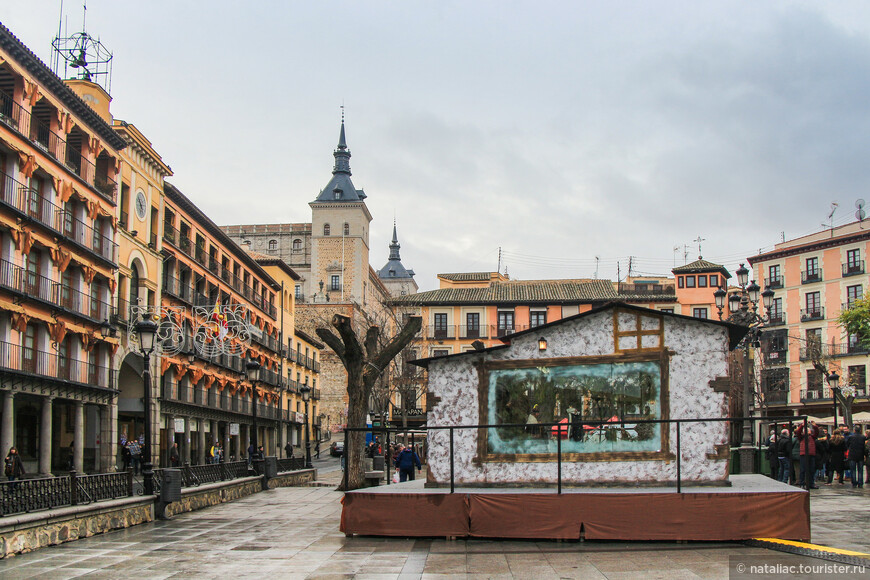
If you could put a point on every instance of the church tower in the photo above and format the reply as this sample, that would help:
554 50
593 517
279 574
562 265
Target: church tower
398 280
340 235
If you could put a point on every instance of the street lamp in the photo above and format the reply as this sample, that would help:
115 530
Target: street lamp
306 394
147 330
253 371
744 311
833 382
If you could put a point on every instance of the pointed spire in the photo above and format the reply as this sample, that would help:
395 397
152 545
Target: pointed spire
394 245
342 153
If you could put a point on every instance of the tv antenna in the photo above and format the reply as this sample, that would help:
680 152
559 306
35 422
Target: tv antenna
860 214
834 206
83 56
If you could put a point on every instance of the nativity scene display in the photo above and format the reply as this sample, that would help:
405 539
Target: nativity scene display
595 407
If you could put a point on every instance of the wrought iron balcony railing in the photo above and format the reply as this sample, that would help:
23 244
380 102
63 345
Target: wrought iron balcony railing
853 268
817 313
810 276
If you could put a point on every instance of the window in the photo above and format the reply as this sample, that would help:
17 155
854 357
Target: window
273 245
699 313
537 318
667 310
776 310
812 266
325 229
813 338
776 341
814 381
858 377
853 261
774 278
813 302
297 245
690 281
505 322
680 281
853 294
335 282
702 282
346 229
714 280
440 325
472 325
297 291
440 352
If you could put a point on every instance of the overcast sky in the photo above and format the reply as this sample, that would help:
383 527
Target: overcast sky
558 131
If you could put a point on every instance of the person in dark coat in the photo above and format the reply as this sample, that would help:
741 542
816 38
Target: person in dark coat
405 462
288 450
822 454
174 458
772 457
837 452
857 452
13 467
807 439
783 452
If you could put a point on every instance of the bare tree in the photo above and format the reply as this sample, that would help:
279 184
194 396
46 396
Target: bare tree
365 363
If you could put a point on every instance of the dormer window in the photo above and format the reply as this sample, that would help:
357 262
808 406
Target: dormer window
325 229
336 193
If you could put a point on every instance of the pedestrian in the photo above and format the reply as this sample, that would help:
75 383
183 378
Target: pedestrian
174 458
252 451
14 468
837 452
288 450
125 456
260 453
405 462
317 449
772 457
822 454
795 459
135 455
783 452
857 452
807 453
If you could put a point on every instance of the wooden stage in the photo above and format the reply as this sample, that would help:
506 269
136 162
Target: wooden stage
754 506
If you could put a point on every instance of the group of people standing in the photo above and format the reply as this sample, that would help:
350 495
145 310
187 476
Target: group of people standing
803 457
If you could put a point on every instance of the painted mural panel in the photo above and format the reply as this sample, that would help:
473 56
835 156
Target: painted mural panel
597 407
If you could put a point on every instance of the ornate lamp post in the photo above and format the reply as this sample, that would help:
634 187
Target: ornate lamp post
833 382
253 371
306 395
147 330
744 311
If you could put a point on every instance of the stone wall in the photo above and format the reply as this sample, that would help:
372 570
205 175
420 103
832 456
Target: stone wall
28 532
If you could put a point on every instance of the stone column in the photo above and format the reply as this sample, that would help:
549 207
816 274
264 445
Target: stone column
226 442
7 429
79 437
201 450
246 439
45 438
109 437
185 457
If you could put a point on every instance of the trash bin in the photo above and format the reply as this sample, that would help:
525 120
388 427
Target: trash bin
170 488
271 467
378 463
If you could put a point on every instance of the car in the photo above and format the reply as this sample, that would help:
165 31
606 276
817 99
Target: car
337 448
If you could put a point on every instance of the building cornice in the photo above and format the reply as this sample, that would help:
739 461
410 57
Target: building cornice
810 247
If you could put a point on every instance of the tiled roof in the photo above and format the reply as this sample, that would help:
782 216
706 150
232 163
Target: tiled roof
701 265
467 276
513 292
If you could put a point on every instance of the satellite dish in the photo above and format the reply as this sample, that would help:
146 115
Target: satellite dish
860 214
859 203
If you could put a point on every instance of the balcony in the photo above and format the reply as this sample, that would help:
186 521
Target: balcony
30 361
810 276
817 313
214 265
174 287
37 287
776 356
776 397
473 331
200 256
31 206
441 332
853 269
170 234
775 282
776 319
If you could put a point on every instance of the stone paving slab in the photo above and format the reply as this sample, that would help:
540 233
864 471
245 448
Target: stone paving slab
293 533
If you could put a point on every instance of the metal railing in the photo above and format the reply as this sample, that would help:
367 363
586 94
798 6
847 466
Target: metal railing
562 432
31 361
809 276
853 269
30 495
774 282
812 313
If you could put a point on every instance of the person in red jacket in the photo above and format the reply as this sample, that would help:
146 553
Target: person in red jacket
808 454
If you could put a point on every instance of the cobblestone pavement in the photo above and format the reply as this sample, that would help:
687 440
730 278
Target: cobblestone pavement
293 533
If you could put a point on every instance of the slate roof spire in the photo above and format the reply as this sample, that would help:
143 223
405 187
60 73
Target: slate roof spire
394 245
340 188
394 268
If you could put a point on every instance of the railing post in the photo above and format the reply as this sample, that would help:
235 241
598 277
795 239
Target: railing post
559 458
679 455
73 488
452 487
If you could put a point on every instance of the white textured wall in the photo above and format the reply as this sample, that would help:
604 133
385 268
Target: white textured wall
699 356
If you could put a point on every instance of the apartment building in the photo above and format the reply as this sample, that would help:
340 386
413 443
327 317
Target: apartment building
59 165
814 278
